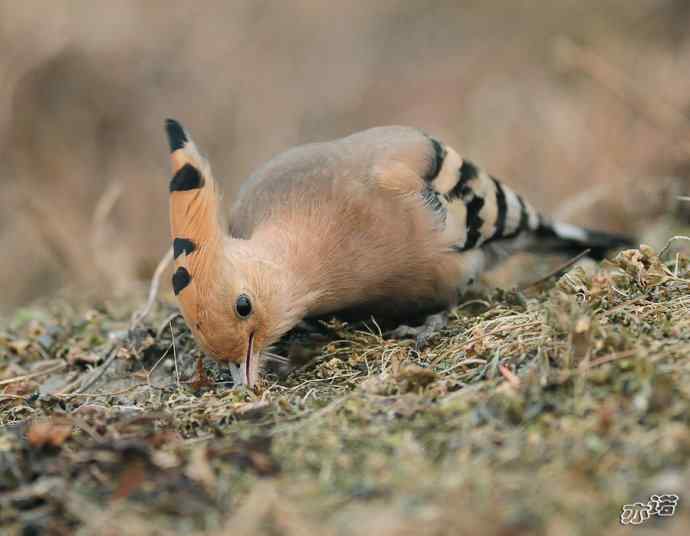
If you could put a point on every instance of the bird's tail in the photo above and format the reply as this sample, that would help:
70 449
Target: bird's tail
566 239
502 220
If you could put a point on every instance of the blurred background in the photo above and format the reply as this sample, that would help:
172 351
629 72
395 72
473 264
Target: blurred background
581 105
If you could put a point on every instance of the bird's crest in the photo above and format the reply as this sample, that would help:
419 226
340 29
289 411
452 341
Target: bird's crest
195 226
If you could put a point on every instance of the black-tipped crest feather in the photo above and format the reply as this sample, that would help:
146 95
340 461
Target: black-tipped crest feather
176 135
180 280
183 245
187 178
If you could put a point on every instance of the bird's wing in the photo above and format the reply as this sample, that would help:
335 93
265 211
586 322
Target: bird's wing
472 207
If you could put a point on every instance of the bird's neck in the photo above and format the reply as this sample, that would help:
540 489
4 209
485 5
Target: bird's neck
292 274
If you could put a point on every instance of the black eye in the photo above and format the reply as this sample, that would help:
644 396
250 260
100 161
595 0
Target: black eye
243 306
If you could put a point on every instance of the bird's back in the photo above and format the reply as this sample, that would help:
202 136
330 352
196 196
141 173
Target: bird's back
307 174
373 243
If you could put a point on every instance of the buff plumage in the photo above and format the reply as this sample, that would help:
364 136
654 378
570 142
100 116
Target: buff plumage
388 222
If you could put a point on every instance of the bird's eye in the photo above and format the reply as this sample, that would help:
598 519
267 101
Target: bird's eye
243 306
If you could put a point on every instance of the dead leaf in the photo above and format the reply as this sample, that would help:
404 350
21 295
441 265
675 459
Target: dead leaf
201 379
21 388
130 479
48 433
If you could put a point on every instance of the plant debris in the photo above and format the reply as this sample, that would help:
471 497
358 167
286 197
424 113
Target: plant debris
539 411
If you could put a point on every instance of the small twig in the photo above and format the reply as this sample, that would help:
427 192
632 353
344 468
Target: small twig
473 302
4 397
378 328
557 272
607 359
155 366
683 198
165 323
270 356
142 313
70 386
470 361
33 374
111 355
83 425
670 241
106 395
177 370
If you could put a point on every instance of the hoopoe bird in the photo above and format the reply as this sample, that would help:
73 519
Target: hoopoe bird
388 222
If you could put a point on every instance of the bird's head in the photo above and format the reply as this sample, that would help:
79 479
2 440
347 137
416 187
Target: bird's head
243 309
234 294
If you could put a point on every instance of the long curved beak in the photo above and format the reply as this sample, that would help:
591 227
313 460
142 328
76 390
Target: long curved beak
246 372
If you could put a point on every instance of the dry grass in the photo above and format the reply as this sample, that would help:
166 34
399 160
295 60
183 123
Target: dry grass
535 412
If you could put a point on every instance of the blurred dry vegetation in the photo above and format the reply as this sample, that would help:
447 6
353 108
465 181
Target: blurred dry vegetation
583 106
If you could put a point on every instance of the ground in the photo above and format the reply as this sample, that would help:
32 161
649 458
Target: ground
537 411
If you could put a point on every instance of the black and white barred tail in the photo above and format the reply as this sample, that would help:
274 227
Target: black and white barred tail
492 216
570 240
